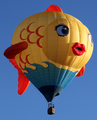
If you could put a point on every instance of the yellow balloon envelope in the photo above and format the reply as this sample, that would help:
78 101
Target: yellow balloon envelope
49 49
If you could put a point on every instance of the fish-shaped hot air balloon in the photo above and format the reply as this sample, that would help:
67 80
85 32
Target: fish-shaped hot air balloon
49 49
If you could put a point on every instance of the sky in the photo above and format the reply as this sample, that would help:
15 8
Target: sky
78 101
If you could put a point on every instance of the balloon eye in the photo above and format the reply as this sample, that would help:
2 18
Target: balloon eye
90 39
62 30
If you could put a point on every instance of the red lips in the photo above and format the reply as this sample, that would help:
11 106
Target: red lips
78 49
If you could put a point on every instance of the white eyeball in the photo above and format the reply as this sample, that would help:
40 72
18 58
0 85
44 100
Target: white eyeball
90 39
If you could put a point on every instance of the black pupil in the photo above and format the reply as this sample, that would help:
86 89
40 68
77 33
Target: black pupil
65 30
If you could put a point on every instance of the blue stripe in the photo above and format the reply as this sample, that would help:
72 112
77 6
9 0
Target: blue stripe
50 75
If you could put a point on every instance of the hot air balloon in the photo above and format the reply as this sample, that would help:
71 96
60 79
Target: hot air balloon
49 49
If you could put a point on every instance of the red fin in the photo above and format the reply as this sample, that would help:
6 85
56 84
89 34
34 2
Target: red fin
81 72
15 49
23 83
22 79
54 8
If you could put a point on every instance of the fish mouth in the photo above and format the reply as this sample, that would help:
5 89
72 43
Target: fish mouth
78 49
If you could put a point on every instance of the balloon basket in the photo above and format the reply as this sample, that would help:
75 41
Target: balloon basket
51 109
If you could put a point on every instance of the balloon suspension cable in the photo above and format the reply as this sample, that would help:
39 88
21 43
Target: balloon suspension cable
51 108
55 98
